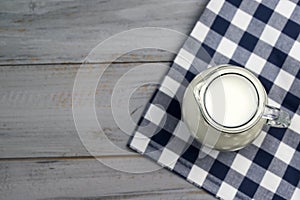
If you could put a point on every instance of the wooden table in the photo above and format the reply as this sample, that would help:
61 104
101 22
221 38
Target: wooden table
42 45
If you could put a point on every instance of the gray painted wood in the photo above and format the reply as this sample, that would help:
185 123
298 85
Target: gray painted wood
88 178
41 31
42 44
36 123
36 109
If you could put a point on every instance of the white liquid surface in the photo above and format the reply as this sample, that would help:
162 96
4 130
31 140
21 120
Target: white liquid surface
231 100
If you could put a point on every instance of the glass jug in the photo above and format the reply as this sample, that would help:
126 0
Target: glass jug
225 108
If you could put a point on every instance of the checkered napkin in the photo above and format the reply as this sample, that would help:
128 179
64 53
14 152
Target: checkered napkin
262 36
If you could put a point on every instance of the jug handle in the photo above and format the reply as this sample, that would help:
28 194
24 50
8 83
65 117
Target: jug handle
276 117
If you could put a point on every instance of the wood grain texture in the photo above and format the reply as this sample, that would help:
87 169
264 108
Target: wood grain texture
88 178
37 124
41 31
42 46
36 108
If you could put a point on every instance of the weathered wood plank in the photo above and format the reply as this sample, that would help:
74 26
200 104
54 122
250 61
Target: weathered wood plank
36 100
66 31
36 108
168 195
88 178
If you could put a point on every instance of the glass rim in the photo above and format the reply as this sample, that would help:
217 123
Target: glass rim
222 70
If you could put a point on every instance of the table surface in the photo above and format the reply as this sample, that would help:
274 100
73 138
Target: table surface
42 45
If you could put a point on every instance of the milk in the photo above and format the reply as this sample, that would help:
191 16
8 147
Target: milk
231 100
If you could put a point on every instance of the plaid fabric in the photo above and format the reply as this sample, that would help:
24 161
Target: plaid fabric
262 36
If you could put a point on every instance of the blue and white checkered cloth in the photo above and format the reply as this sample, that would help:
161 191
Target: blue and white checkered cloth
262 36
